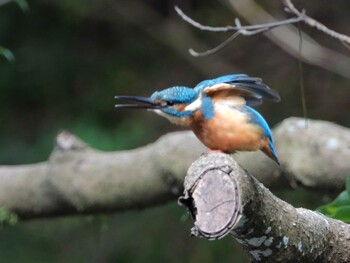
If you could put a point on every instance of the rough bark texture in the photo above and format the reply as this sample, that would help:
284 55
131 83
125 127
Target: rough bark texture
225 199
79 179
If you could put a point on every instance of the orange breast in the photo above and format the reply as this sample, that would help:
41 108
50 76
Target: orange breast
228 131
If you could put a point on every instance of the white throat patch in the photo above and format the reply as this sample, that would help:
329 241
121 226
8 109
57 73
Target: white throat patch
196 105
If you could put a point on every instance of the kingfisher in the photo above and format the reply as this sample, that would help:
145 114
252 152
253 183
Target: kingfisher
219 112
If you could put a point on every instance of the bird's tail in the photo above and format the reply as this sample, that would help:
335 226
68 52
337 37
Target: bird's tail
269 150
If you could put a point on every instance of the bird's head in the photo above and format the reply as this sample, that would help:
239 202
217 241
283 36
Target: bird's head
171 103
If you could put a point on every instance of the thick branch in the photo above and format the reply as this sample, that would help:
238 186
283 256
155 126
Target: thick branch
78 179
225 199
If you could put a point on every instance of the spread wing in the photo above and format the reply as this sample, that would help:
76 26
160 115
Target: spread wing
251 89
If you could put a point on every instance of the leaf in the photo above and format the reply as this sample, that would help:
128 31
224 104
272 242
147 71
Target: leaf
7 217
341 200
23 5
7 54
342 213
340 207
337 206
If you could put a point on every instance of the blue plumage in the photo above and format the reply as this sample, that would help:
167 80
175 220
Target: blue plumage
207 108
204 109
250 88
256 118
223 79
176 94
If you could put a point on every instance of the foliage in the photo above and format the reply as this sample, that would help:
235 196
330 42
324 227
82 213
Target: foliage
23 4
340 207
7 217
7 54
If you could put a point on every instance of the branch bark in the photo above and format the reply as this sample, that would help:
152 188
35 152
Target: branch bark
224 199
78 179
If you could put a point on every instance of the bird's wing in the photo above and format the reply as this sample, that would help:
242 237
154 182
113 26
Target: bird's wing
223 79
239 85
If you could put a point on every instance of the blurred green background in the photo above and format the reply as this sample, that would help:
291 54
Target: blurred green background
72 57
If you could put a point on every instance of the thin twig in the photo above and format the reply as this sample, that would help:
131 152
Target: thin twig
234 28
200 26
300 16
240 30
290 8
215 49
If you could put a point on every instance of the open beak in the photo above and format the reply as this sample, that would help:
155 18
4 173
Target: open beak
148 103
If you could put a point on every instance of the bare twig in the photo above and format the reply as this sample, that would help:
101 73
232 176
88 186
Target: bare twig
290 8
240 30
287 38
267 26
300 16
199 25
215 49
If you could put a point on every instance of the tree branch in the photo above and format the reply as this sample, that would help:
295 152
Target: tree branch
78 179
224 199
244 30
256 29
286 38
314 23
240 30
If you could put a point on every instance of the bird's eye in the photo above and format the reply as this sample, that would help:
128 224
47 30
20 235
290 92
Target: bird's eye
170 103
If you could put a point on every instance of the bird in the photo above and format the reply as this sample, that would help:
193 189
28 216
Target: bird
219 112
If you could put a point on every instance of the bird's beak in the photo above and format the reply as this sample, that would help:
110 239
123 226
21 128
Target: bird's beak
148 103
